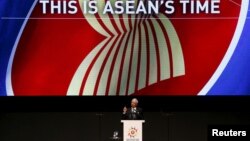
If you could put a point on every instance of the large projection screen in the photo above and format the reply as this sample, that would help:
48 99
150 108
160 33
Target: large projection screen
124 47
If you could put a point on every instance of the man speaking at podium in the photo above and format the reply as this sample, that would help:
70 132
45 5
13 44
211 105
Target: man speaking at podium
133 113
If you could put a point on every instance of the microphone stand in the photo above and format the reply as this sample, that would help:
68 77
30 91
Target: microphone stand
167 115
100 115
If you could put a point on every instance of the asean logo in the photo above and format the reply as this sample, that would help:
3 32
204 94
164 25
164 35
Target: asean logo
158 54
132 132
136 53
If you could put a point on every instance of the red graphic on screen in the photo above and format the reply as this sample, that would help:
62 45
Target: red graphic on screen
53 53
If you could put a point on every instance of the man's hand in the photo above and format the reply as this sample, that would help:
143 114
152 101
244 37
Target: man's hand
125 110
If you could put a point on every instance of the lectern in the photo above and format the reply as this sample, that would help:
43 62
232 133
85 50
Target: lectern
132 130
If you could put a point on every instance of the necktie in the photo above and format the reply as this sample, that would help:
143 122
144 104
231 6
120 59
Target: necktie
133 113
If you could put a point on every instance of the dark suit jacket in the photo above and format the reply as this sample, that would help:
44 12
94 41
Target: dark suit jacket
129 115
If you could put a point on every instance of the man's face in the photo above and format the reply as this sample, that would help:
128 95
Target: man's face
133 103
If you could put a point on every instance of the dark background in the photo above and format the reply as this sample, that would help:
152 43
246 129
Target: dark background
96 118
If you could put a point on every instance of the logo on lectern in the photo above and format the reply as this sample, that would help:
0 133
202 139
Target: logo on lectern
132 132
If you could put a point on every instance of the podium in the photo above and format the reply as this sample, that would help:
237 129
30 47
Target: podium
132 130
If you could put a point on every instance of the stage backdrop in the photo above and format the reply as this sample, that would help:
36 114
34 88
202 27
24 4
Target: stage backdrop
60 48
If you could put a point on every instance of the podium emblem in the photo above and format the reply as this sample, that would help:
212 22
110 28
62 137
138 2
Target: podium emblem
132 133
